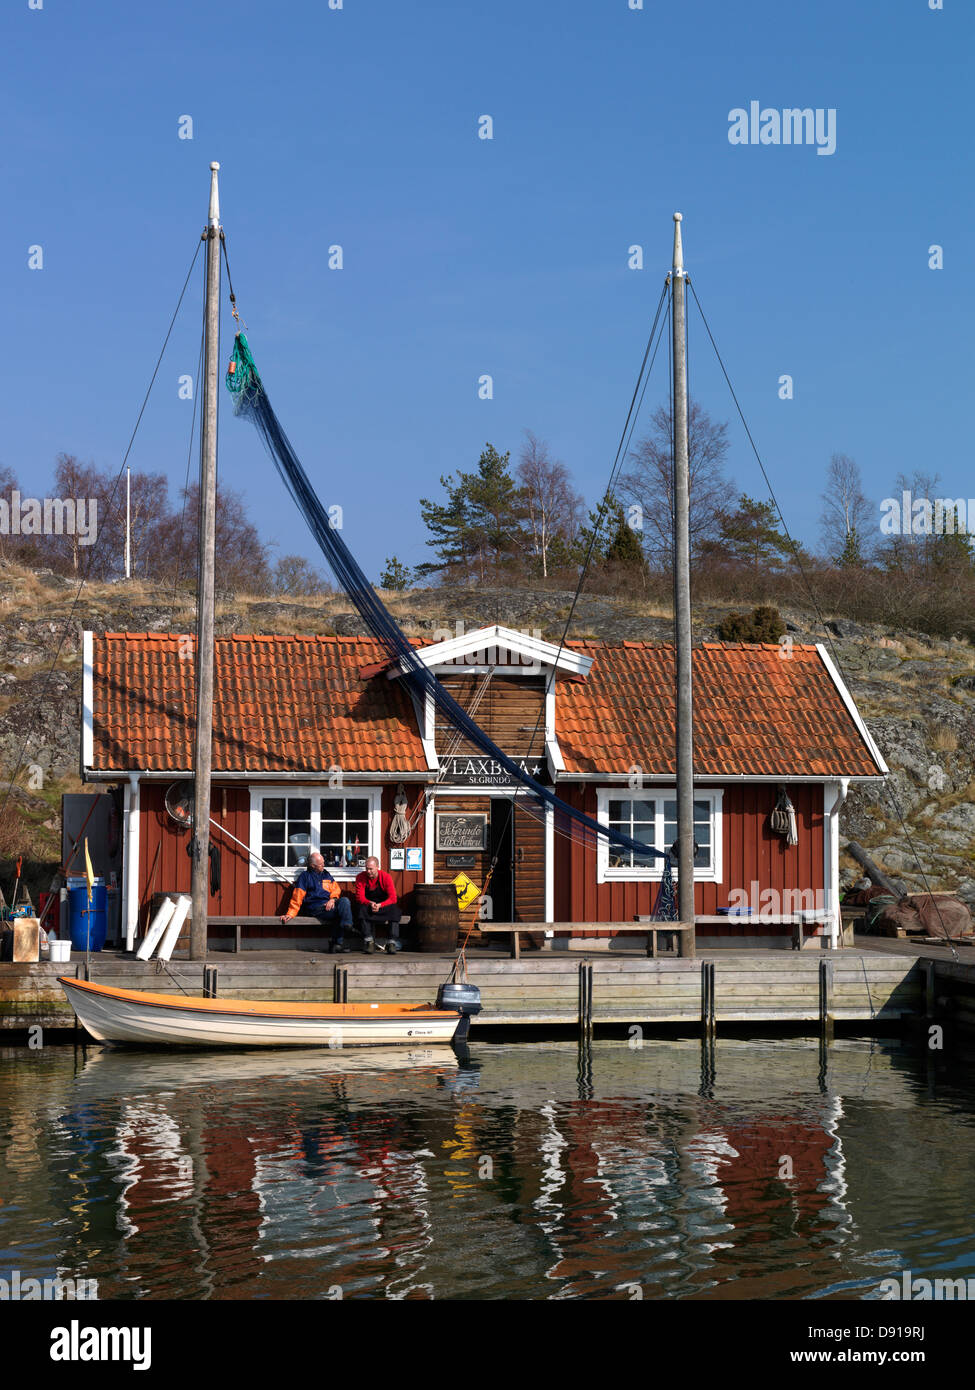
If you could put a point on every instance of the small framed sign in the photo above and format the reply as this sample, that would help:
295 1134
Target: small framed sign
397 858
462 832
414 861
461 861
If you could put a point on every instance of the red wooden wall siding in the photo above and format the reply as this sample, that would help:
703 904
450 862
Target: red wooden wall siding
164 865
751 851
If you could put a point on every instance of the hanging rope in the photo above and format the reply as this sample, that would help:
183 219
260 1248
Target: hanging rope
399 826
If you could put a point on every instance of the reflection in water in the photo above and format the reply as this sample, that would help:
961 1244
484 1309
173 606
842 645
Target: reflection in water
738 1169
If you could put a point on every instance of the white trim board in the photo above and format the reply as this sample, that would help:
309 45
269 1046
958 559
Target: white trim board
87 701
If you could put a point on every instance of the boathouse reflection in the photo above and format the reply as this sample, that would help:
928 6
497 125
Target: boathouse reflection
308 1177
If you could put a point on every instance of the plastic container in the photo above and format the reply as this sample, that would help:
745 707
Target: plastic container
60 949
87 925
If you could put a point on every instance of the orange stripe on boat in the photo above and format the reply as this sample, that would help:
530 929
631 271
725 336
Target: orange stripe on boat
268 1007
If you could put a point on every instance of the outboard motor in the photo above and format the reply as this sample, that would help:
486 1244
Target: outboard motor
466 999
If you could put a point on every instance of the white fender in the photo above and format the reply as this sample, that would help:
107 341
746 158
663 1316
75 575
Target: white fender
171 934
156 929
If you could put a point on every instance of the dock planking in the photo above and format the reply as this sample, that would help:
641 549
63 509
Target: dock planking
750 987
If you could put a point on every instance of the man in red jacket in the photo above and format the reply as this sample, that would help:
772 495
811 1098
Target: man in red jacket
375 896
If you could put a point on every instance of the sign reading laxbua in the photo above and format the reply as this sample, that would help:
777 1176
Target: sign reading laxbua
485 772
462 832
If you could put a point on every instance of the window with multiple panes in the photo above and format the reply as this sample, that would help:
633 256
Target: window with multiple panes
651 818
286 831
344 831
288 824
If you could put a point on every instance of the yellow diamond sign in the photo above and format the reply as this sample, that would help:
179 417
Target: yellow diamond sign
467 891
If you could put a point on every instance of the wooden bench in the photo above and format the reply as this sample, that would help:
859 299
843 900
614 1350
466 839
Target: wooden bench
238 923
651 930
796 921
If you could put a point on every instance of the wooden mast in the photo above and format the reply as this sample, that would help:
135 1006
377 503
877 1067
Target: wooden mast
682 607
205 582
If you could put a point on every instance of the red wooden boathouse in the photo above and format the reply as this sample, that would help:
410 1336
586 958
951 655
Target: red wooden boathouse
313 736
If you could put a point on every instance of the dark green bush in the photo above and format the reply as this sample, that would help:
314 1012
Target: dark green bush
761 625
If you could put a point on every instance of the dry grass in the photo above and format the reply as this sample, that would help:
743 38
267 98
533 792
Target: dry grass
944 739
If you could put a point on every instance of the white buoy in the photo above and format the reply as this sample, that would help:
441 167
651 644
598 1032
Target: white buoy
171 934
156 928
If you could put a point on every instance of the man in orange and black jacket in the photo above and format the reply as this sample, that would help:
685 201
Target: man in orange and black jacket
317 894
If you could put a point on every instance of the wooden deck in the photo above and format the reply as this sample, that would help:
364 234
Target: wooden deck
545 989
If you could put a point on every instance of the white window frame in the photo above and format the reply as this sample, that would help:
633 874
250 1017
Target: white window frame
653 874
260 873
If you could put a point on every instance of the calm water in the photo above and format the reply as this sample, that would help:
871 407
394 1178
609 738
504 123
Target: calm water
522 1175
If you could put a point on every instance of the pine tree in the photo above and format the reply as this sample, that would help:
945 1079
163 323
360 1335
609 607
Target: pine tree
851 556
478 530
751 534
624 549
395 576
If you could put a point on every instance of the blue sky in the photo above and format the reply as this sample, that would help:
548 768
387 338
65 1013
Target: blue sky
465 256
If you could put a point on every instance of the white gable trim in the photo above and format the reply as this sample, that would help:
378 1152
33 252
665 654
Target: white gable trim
87 702
852 710
424 725
486 641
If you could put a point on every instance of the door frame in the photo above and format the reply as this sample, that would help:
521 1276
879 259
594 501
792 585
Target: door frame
493 793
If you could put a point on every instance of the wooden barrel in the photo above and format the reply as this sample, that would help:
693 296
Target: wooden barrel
437 918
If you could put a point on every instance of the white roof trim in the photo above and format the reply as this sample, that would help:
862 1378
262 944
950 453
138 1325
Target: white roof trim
533 648
87 701
852 710
708 778
424 724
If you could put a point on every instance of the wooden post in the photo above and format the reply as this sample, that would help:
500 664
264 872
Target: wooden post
585 999
209 982
929 989
205 584
826 998
340 985
708 1022
682 607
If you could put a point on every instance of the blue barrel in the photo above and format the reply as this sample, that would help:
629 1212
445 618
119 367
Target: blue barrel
87 925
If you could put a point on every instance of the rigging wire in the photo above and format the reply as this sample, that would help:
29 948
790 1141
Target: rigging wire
37 704
888 788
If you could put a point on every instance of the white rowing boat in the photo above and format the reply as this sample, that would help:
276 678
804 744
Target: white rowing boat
134 1016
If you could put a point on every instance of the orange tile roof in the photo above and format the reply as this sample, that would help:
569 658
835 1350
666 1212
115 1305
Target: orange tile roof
299 704
757 712
281 704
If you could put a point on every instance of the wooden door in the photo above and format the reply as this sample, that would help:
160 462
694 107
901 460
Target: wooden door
529 867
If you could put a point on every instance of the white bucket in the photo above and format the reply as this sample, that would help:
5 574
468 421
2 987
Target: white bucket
60 950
